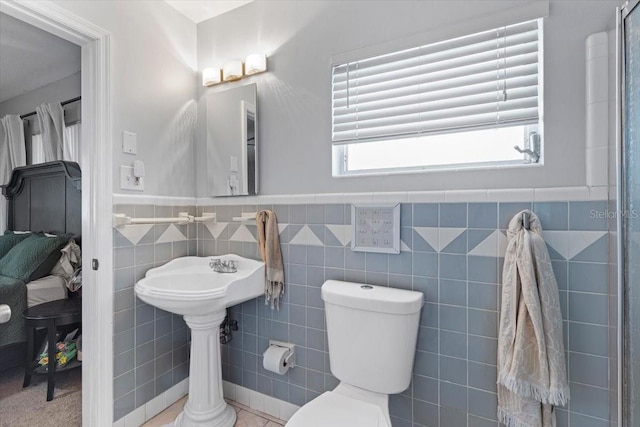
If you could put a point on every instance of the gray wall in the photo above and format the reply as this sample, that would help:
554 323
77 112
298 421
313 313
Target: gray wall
454 375
300 39
153 88
60 91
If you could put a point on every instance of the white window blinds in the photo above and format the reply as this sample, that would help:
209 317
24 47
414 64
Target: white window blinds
485 80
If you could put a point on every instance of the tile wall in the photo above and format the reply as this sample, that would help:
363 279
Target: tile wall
151 346
452 252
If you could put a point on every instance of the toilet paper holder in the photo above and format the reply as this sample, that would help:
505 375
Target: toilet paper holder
290 360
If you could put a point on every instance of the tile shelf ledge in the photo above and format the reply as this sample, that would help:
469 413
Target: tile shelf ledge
547 194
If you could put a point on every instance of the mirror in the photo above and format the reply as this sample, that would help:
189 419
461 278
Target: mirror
232 141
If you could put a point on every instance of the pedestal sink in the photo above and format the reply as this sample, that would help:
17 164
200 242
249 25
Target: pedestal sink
188 286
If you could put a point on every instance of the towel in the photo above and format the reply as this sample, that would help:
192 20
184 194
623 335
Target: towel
532 375
269 246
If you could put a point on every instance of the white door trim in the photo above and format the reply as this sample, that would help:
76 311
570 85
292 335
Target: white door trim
96 161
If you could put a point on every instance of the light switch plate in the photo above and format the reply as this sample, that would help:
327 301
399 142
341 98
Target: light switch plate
128 181
129 142
234 164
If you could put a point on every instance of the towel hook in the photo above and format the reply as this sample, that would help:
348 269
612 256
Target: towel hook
526 220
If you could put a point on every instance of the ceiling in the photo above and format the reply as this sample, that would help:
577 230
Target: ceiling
201 10
31 58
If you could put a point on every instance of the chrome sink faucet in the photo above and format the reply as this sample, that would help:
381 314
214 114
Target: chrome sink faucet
224 266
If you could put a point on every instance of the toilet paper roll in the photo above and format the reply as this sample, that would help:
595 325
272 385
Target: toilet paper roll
274 359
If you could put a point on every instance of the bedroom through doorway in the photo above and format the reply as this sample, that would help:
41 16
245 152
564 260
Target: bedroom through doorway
40 221
85 216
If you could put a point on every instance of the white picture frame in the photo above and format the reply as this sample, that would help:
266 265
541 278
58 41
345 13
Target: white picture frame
375 227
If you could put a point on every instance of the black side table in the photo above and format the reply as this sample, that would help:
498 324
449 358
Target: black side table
49 315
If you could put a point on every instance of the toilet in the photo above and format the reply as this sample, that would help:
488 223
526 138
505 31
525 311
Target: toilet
372 332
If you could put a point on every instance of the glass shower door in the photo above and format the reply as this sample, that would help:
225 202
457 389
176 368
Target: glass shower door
630 214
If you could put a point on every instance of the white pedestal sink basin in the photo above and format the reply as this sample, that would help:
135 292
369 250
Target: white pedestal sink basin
188 286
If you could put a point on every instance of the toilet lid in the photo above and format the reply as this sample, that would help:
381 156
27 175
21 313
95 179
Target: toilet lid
337 410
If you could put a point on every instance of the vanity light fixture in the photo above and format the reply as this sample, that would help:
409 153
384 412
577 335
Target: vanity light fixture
211 76
256 63
232 70
235 70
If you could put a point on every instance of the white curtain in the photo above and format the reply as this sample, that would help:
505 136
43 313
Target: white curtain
37 149
51 121
71 149
12 155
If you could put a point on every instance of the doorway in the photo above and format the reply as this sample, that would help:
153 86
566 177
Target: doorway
95 162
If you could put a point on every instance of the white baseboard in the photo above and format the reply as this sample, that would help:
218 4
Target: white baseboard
144 413
260 402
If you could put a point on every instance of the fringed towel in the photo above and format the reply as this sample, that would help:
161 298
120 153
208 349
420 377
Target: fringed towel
269 246
532 376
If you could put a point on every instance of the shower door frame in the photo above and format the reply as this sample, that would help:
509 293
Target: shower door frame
622 13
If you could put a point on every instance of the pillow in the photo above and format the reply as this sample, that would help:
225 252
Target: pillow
8 240
33 257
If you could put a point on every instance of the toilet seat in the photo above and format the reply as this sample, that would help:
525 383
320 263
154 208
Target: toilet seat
333 409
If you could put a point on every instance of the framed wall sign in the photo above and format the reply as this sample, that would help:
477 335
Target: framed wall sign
375 228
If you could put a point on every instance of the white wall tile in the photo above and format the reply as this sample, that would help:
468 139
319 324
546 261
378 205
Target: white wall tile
468 196
597 45
358 197
511 195
243 396
426 196
300 199
272 406
391 197
135 418
561 194
598 124
144 199
256 401
155 406
229 390
176 392
599 192
597 166
597 80
329 198
287 410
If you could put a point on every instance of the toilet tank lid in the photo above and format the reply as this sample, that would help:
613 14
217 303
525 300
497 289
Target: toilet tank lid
379 299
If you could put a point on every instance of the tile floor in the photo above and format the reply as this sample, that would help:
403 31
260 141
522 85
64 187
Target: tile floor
247 417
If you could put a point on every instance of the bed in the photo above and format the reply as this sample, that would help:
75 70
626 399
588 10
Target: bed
42 198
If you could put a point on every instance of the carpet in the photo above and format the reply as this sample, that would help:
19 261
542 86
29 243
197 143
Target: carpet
28 407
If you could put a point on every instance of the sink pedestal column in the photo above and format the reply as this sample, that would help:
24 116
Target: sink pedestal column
206 405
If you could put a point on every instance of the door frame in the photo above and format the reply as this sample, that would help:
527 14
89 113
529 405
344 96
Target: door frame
621 205
97 189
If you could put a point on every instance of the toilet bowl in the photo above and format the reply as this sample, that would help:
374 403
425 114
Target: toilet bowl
372 333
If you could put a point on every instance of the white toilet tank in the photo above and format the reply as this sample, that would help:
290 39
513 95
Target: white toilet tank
372 333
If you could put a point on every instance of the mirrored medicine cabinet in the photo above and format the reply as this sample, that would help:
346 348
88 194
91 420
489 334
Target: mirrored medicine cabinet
232 142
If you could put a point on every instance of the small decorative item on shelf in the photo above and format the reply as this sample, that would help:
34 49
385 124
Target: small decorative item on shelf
65 352
79 347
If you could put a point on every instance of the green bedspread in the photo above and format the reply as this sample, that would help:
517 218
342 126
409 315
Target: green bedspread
13 292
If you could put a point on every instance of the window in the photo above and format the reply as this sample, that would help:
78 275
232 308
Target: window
458 103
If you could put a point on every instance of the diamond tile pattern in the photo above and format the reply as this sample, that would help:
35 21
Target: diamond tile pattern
452 252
